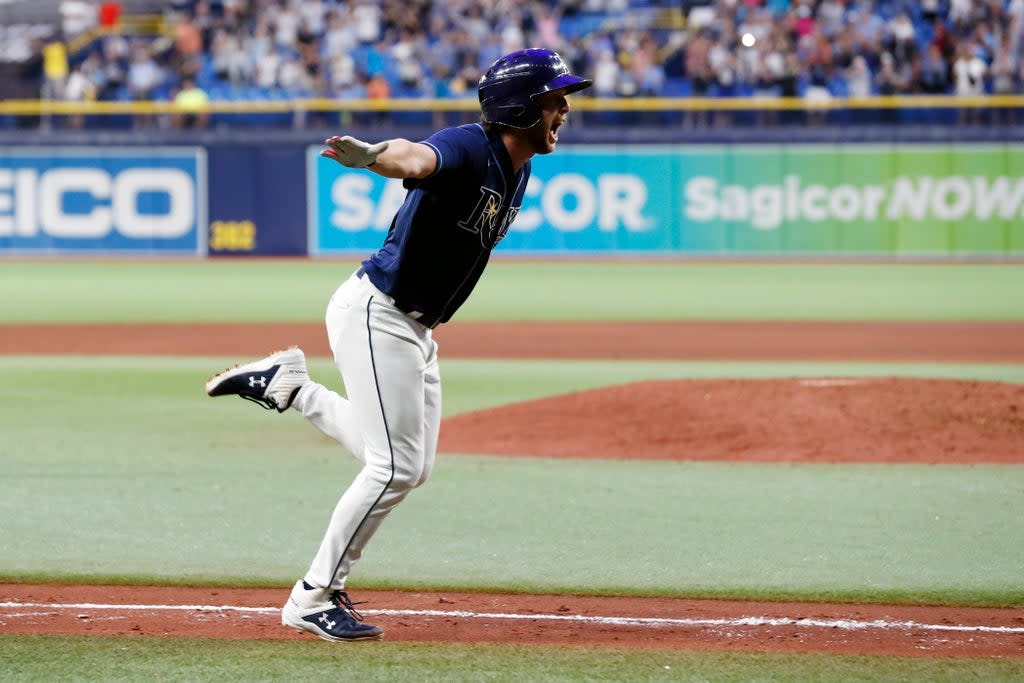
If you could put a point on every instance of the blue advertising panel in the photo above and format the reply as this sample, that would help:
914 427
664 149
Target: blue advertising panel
120 200
257 200
581 199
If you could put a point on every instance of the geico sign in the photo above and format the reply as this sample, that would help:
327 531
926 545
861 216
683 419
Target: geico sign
32 202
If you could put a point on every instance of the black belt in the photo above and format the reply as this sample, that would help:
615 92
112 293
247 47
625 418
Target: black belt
422 318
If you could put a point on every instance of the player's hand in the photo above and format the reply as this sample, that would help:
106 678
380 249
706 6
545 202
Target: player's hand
348 151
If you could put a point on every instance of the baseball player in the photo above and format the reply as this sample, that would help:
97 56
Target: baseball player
465 186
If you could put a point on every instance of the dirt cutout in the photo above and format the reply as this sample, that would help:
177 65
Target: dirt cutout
825 419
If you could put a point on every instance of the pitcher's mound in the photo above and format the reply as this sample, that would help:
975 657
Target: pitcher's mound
798 420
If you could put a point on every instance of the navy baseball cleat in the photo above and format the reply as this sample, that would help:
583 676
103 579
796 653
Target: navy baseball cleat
272 382
332 619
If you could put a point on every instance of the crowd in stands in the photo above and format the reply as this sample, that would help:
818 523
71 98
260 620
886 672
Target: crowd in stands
349 49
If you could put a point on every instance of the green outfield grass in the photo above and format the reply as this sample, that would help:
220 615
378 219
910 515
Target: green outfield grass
132 473
49 658
293 290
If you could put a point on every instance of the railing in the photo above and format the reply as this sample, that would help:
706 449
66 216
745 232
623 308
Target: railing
767 111
645 104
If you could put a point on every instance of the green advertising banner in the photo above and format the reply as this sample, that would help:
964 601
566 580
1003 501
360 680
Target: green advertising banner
887 199
724 200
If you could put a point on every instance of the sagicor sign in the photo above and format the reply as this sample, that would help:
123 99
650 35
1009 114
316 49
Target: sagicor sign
587 199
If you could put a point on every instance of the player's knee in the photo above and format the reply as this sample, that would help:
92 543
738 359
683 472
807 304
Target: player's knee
406 476
398 471
424 475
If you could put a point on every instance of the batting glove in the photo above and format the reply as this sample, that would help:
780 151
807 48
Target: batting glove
348 151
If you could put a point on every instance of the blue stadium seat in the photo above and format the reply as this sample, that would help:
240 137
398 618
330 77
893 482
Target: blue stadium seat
218 92
678 87
207 76
580 25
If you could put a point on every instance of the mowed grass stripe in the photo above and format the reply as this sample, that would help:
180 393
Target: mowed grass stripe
298 290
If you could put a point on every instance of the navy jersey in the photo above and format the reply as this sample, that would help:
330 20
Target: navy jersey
442 236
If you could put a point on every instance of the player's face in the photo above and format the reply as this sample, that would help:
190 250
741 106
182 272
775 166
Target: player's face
555 109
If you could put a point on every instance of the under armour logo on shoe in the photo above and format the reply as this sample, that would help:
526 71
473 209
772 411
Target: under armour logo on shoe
325 621
261 382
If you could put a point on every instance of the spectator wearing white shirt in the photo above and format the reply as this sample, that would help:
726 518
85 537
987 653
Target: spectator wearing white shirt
969 80
960 12
286 26
367 18
969 72
230 61
293 77
858 78
144 75
267 67
340 34
343 72
606 74
256 45
408 61
80 88
313 14
830 16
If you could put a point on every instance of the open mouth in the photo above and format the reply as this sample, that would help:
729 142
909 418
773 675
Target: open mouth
554 130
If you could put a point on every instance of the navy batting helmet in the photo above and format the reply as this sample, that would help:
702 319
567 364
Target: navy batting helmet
510 84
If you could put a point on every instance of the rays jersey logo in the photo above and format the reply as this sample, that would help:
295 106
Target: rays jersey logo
489 219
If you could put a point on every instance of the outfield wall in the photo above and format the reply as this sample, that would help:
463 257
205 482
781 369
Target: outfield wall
769 199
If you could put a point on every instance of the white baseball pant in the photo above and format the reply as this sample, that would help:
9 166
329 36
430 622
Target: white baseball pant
390 420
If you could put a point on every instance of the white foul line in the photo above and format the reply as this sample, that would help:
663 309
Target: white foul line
832 382
652 622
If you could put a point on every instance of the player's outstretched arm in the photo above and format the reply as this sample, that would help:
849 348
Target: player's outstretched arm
397 158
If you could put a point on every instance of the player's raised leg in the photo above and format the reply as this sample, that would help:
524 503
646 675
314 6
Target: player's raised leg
333 415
